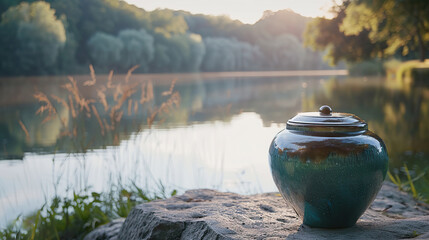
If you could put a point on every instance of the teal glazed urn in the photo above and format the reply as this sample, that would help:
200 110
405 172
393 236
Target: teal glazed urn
328 167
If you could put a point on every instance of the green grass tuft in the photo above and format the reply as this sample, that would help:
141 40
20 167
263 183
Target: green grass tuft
74 217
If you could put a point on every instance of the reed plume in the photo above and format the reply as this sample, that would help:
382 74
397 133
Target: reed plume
102 96
165 108
60 100
47 106
123 100
109 80
127 78
170 91
93 79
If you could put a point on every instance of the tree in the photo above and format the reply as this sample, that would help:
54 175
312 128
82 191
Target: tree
197 51
177 39
165 22
161 59
224 54
400 23
138 49
284 52
178 53
324 34
105 50
219 55
34 37
212 26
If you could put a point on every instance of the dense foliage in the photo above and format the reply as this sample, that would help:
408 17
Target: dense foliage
31 36
363 30
57 37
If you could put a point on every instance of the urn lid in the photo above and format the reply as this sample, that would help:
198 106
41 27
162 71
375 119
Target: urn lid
327 121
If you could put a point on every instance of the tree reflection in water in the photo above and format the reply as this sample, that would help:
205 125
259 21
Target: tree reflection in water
398 114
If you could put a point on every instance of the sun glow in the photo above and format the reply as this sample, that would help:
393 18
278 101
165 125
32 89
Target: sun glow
247 11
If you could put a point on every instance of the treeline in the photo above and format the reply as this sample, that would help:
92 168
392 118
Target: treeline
64 37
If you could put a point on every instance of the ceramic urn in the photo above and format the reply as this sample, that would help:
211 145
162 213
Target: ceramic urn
328 167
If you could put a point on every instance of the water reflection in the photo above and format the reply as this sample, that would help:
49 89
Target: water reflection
217 138
398 114
399 117
202 100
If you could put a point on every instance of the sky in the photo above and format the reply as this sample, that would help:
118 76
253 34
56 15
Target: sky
247 11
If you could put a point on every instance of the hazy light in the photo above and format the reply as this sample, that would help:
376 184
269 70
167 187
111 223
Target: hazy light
247 11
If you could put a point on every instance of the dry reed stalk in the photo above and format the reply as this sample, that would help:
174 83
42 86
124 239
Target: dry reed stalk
27 135
60 100
151 118
165 108
65 105
127 93
93 79
94 110
169 104
85 104
170 91
119 116
127 77
136 107
102 96
130 104
121 94
41 97
114 114
73 111
72 88
109 80
143 93
149 91
75 131
82 102
107 125
117 92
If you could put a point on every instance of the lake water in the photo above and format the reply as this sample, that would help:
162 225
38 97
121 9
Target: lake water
217 138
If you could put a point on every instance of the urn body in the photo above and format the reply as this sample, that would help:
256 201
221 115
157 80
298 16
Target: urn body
328 174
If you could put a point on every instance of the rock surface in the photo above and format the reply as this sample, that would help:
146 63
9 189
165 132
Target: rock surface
208 214
107 231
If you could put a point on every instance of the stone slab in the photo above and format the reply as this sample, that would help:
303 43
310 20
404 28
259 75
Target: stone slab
208 214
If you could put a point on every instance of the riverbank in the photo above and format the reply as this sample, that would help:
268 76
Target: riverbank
203 213
410 72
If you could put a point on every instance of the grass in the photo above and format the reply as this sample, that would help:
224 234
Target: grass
407 186
80 211
74 217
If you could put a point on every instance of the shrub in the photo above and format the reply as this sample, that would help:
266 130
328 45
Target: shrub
367 68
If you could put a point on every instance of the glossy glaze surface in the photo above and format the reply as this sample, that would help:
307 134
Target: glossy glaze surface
328 180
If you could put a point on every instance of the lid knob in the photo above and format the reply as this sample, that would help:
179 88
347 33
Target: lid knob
325 110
